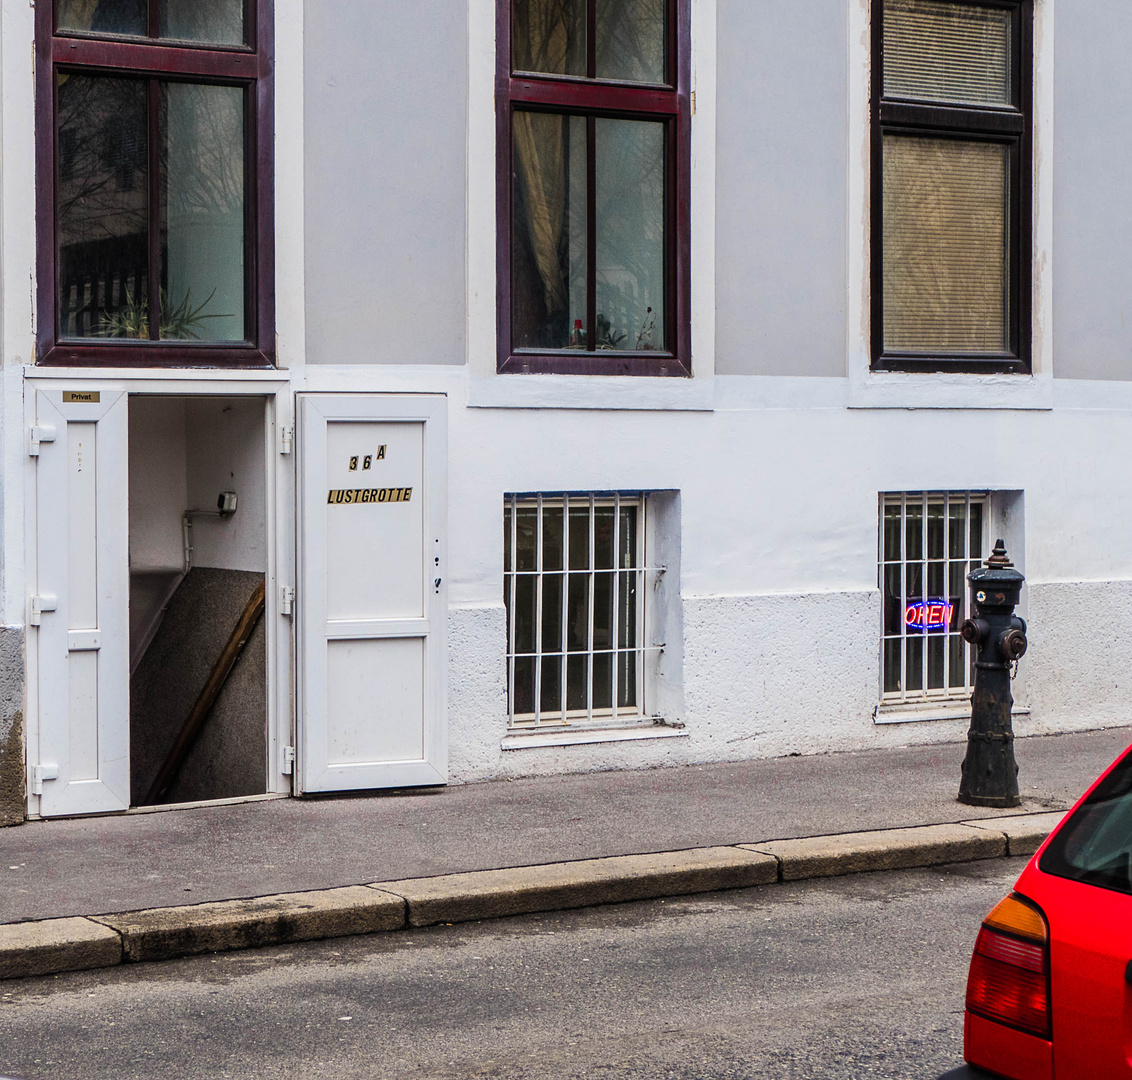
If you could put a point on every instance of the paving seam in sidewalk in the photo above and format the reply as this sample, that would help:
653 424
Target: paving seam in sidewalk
78 943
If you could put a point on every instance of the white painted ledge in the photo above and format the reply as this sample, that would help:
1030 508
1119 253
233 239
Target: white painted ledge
535 739
914 714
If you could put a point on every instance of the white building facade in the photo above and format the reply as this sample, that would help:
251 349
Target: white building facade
619 384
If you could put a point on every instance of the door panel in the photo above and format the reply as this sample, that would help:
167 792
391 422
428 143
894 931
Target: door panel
372 604
82 585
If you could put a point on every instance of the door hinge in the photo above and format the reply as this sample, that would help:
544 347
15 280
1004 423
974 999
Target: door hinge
37 605
39 434
286 599
286 438
39 773
288 765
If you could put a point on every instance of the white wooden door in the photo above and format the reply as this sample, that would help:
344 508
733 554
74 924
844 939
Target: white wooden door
78 612
372 602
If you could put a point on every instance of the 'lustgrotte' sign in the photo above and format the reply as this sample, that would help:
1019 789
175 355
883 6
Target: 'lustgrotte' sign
369 495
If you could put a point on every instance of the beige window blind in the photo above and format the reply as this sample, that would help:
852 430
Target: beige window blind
946 252
947 52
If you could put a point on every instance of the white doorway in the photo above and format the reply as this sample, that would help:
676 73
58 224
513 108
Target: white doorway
124 477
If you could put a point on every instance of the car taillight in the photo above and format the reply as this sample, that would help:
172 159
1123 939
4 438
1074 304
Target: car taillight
1009 977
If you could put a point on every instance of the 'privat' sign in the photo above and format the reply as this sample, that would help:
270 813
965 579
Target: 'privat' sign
932 616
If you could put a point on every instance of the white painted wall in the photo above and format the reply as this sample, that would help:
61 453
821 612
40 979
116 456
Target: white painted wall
183 453
224 452
158 482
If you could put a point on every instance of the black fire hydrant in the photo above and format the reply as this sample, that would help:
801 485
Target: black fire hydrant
990 773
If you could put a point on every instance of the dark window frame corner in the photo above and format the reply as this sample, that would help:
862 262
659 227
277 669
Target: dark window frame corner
155 60
593 98
1010 126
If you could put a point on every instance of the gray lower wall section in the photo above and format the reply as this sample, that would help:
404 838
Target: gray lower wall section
385 178
771 675
1092 295
13 800
781 149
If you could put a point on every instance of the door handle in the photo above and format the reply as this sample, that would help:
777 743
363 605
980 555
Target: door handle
1128 973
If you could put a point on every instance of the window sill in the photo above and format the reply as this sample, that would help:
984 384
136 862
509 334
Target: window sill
906 713
531 740
653 392
948 390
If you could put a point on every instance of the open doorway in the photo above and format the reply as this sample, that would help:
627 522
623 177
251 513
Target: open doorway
198 545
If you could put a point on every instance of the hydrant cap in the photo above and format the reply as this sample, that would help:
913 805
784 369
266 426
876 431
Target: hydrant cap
998 571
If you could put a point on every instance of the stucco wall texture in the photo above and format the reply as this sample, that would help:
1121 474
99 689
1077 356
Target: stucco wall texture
11 725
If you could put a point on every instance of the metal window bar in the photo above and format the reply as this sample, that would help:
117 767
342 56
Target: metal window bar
924 501
622 571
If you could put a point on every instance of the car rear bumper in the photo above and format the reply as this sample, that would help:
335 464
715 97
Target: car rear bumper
1002 1051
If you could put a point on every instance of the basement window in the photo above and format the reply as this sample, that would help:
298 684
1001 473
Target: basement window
576 585
929 542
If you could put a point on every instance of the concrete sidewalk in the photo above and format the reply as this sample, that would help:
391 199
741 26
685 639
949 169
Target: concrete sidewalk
95 893
82 867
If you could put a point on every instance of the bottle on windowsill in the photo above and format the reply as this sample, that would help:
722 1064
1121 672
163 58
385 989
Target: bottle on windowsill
577 336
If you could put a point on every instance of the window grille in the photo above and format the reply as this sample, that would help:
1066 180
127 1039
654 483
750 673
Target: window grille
574 589
929 542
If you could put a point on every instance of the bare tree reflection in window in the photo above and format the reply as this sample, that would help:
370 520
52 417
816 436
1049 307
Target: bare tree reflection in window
103 206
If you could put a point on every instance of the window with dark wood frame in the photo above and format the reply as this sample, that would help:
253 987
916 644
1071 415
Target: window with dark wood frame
154 183
593 145
951 233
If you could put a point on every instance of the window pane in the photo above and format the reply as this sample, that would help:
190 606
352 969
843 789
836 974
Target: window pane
102 16
552 613
577 682
628 536
892 666
935 530
578 613
552 538
947 52
914 665
202 212
627 680
914 531
580 537
976 531
892 532
526 533
548 234
217 21
936 647
103 207
525 612
893 601
551 699
945 226
955 666
957 513
630 40
630 234
548 36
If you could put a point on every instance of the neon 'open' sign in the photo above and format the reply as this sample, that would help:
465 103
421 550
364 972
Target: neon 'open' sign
932 616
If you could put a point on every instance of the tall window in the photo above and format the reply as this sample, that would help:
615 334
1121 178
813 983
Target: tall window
593 145
154 204
929 543
574 575
951 168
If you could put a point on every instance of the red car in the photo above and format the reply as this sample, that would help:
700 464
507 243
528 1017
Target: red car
1049 993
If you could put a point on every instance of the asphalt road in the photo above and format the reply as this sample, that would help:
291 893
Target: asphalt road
861 976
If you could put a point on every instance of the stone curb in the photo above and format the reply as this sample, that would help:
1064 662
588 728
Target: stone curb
76 943
490 894
889 849
162 933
